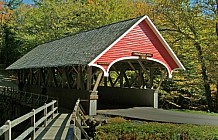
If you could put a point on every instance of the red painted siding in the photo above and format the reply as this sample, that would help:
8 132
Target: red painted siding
140 39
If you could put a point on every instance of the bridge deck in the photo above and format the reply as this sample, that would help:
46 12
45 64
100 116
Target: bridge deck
57 128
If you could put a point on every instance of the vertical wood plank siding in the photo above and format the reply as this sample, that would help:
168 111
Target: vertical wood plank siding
140 39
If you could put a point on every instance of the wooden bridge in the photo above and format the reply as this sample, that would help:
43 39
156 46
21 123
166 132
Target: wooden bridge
45 122
25 98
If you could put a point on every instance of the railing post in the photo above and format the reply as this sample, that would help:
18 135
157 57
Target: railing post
45 114
52 109
93 103
78 131
8 133
33 120
57 105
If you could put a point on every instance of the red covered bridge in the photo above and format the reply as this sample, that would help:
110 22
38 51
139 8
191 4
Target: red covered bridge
142 39
129 53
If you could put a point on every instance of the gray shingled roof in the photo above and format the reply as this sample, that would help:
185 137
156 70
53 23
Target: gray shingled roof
81 48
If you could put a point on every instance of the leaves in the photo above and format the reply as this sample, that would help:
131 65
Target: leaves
190 28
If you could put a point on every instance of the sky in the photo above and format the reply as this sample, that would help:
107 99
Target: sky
28 1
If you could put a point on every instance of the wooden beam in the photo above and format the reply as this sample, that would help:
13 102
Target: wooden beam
67 76
42 75
121 77
75 69
105 81
78 77
54 77
127 80
89 78
142 66
162 78
97 81
110 80
130 64
133 80
49 77
151 78
34 77
116 81
140 79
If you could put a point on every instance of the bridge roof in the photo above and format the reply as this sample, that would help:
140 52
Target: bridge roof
81 48
104 45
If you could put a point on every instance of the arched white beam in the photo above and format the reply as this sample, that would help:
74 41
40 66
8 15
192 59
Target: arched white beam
158 61
100 67
120 59
106 72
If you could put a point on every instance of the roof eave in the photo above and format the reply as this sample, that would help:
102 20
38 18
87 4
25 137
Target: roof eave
166 45
117 40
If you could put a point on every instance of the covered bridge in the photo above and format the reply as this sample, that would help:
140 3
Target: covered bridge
122 58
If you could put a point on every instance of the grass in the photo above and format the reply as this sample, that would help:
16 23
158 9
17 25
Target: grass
121 129
195 112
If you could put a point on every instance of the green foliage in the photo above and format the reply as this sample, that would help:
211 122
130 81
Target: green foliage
142 130
50 20
182 23
9 52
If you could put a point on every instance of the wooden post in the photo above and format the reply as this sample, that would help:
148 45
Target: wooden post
157 90
89 78
105 81
52 109
97 81
78 131
121 77
151 78
45 115
57 106
94 96
33 120
8 133
140 79
79 77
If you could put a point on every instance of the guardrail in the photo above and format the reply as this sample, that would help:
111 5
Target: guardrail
7 128
30 99
78 123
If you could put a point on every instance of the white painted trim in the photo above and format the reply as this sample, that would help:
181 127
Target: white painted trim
166 45
108 48
158 61
106 74
120 59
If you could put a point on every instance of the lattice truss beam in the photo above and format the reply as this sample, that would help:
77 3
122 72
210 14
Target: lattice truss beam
138 74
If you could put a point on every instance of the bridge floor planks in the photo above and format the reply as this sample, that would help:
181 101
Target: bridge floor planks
56 129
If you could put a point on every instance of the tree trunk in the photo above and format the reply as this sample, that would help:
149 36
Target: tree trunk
204 76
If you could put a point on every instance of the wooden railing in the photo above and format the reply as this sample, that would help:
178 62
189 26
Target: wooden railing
78 123
48 111
27 98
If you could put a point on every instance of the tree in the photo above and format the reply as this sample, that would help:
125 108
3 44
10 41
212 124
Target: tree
189 30
6 15
53 19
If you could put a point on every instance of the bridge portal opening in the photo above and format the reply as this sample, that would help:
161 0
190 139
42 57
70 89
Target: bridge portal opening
131 83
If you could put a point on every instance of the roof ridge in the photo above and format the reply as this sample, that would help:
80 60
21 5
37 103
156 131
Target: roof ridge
116 22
